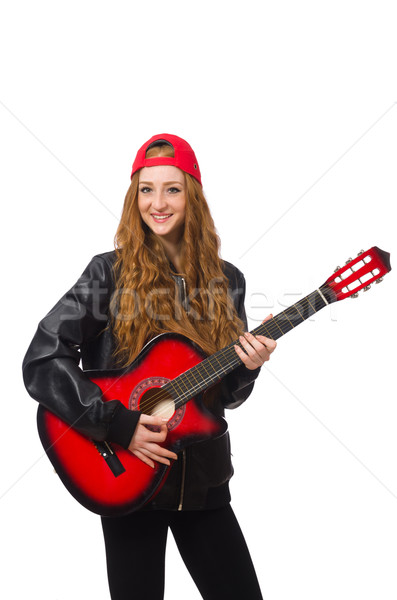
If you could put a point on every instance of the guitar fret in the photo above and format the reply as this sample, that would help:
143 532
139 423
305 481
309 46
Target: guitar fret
310 304
275 321
290 322
297 309
204 374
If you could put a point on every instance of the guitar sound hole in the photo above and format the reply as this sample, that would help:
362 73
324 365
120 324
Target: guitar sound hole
151 398
158 403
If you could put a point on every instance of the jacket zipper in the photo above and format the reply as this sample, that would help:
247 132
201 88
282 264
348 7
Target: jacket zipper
184 302
180 506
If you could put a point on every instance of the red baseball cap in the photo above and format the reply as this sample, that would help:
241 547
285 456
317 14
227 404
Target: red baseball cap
184 157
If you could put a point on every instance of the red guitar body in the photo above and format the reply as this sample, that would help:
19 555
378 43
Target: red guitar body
167 374
106 478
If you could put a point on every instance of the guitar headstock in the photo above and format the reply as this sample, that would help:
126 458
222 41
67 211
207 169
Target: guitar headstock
359 273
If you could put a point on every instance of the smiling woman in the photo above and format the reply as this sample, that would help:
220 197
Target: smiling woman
186 243
164 276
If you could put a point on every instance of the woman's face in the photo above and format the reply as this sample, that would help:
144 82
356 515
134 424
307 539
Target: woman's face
162 201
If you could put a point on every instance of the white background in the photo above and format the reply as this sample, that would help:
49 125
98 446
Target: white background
290 107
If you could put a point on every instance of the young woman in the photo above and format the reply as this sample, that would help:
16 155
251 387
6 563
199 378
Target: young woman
165 275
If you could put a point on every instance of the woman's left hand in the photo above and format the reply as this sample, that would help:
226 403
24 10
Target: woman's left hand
256 349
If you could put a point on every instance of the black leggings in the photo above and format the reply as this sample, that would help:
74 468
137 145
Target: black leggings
210 542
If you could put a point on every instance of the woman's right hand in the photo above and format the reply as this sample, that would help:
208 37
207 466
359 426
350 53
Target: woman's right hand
145 443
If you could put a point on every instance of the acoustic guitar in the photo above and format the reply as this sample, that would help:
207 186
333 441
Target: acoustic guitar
168 378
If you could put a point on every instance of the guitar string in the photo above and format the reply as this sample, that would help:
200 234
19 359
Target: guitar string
229 352
269 328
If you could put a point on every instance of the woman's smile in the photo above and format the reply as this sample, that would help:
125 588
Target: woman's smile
160 218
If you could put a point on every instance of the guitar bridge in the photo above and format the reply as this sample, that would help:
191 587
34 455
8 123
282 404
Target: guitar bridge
111 458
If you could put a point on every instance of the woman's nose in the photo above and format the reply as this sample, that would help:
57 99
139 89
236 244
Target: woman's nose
159 201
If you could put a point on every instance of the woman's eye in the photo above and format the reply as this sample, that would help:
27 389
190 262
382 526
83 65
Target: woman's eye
144 190
174 190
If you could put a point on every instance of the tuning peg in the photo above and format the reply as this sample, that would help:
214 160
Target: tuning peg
348 260
361 252
367 287
379 280
354 295
337 269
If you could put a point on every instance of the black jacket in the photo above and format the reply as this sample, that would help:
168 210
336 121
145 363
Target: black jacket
76 330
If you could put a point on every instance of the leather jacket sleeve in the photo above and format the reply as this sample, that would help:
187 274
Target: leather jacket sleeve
237 385
51 370
51 366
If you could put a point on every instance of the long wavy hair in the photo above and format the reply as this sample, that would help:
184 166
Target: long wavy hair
146 301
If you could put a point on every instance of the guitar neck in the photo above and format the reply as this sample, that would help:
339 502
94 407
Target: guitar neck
215 367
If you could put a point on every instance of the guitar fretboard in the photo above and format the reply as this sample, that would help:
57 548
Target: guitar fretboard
212 369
